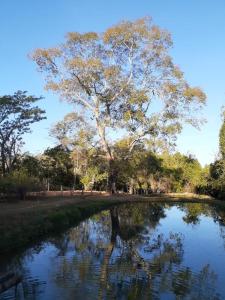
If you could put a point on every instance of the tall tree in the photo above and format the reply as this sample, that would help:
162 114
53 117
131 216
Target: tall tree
115 76
17 113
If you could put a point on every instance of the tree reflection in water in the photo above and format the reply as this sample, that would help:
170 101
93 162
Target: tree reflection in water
31 288
193 212
123 254
122 250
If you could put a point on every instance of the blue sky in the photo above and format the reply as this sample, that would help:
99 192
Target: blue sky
197 28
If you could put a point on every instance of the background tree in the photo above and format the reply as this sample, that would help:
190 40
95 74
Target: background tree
116 76
91 177
31 164
56 168
216 180
77 138
222 139
184 171
17 113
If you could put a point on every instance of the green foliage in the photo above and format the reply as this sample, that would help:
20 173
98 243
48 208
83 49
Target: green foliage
30 163
17 113
222 140
57 167
186 172
216 180
18 183
146 171
141 171
91 177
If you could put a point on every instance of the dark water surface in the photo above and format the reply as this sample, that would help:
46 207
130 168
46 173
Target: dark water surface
133 251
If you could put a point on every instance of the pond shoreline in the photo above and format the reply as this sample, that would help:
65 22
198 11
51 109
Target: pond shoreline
25 223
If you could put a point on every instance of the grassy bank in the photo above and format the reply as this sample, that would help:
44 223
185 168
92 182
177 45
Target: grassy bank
25 223
26 228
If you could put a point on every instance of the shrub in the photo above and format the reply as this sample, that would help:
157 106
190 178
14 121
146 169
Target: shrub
18 184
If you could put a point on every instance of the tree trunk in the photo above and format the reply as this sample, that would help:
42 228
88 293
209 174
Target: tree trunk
3 161
22 193
131 187
112 177
115 224
107 254
109 156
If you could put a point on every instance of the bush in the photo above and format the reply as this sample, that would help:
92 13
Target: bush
18 184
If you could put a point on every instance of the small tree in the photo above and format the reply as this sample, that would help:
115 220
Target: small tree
114 77
56 167
17 113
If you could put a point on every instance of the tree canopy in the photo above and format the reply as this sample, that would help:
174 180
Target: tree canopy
17 113
114 77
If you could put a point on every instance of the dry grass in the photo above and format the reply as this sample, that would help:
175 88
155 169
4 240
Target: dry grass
52 202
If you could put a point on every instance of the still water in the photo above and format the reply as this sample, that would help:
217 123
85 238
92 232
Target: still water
133 251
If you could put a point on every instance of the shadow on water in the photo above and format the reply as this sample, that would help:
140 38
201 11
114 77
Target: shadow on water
139 251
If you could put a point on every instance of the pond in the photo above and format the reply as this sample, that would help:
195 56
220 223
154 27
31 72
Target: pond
132 251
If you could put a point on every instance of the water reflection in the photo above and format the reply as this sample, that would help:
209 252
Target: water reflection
139 251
